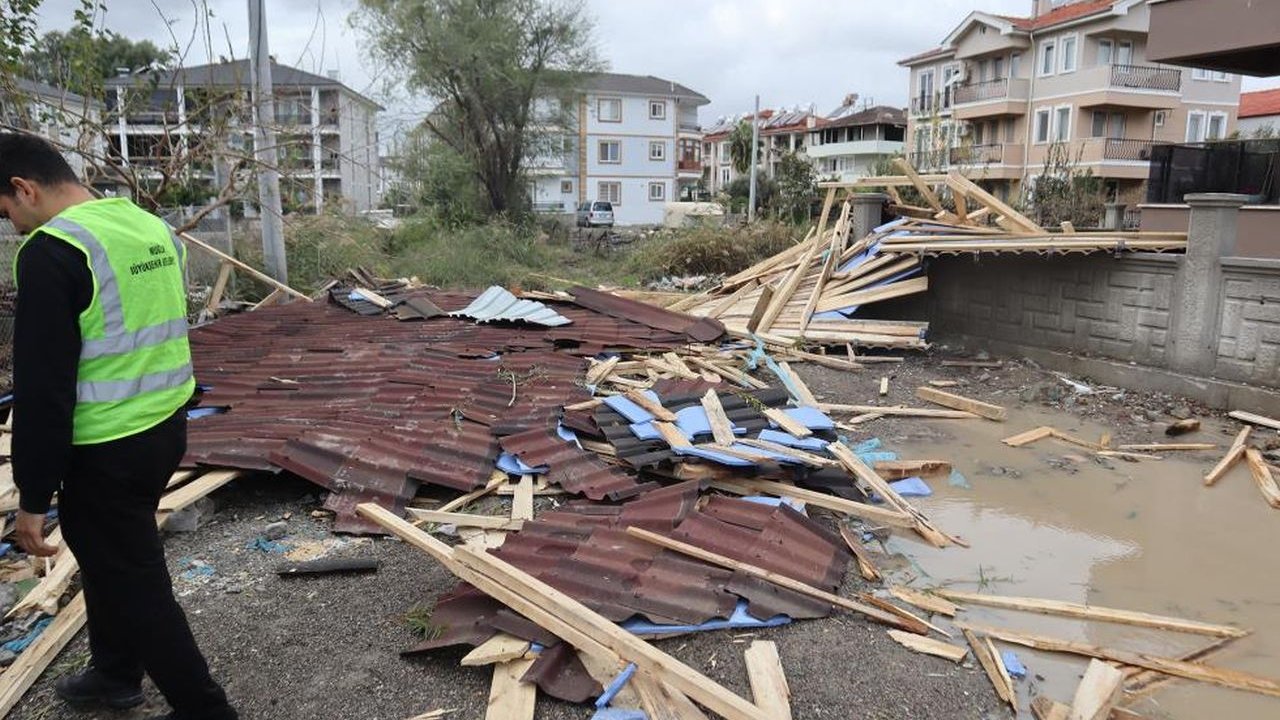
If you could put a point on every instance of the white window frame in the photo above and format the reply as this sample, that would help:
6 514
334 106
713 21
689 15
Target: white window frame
604 188
1204 126
1064 56
1015 64
661 147
1110 45
1208 126
600 153
661 106
1047 56
661 187
1201 74
566 187
1219 76
600 105
1162 116
1125 47
725 176
1058 134
1047 114
1093 123
926 99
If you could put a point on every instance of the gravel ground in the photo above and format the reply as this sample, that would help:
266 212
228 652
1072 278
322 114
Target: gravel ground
328 647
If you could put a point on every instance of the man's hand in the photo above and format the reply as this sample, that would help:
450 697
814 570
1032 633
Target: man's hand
30 534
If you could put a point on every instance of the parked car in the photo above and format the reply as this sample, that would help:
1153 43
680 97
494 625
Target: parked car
595 214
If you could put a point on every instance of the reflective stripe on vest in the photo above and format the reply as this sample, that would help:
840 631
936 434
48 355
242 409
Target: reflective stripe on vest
114 390
117 340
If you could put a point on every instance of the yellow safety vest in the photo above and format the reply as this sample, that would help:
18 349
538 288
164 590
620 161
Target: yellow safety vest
135 363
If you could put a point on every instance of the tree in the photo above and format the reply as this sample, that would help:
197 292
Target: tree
54 58
502 73
740 147
797 186
1065 193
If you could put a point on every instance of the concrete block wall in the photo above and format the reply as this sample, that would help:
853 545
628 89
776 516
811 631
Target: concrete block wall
1113 307
1249 339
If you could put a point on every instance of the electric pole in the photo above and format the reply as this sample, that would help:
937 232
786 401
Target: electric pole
264 146
755 148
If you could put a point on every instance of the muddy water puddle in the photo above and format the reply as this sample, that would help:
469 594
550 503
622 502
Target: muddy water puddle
1049 521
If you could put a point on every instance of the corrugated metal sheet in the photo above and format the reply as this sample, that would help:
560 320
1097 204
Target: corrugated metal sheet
497 303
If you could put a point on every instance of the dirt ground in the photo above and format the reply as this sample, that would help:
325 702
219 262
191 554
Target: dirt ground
327 647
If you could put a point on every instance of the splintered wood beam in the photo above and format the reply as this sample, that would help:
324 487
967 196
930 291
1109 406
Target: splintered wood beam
509 697
650 406
852 508
921 524
499 648
1098 692
958 402
924 600
921 186
1028 437
787 423
991 666
929 646
1238 447
768 681
866 567
1262 477
959 182
721 427
1253 419
1091 612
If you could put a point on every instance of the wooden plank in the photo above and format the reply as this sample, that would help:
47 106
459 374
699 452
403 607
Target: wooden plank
972 363
924 600
1167 447
921 186
921 524
803 394
1222 677
998 661
1145 682
259 276
600 370
671 434
801 270
1045 708
1253 419
195 490
522 501
484 522
565 617
1028 437
787 423
898 469
884 386
499 648
958 402
776 578
732 299
866 567
901 288
768 681
828 266
1080 442
958 182
873 513
1091 612
22 674
1262 476
929 646
662 702
899 411
509 697
650 406
797 454
497 480
219 286
1098 692
721 428
989 662
1238 446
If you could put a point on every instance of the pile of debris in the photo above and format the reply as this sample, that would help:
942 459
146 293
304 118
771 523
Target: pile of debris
812 292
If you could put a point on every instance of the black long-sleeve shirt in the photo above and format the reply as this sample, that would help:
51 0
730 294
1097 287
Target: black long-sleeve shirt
54 287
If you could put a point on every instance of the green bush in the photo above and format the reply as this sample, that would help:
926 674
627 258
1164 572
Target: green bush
708 250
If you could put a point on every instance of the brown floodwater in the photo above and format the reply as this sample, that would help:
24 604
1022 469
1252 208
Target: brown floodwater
1051 522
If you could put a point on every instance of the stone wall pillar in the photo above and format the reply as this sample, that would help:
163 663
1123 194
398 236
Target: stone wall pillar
1198 289
1113 216
866 212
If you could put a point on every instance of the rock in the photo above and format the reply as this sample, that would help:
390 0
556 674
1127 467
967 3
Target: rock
1181 412
276 530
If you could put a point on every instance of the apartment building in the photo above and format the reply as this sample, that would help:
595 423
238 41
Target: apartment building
849 142
63 117
1001 92
326 132
717 164
638 145
1260 114
782 132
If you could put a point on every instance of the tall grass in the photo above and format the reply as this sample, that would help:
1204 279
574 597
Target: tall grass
710 250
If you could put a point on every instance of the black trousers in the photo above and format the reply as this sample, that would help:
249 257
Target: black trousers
107 509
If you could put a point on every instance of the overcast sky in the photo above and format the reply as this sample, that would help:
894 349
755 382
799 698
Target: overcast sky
791 52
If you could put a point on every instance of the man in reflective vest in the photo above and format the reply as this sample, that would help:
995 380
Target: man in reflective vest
102 372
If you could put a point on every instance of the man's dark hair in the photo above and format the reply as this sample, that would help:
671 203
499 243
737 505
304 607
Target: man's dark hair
31 158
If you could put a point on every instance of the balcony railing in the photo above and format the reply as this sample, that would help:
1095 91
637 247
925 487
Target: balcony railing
925 104
688 127
929 159
983 91
689 165
1118 149
977 155
1146 77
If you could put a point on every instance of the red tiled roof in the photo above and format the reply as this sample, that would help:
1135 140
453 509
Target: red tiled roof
1260 103
1061 15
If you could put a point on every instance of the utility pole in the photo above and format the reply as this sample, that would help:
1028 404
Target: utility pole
755 149
264 146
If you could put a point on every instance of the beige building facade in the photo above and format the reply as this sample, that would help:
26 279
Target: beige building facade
1003 96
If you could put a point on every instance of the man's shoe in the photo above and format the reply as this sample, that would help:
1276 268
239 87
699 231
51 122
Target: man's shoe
93 689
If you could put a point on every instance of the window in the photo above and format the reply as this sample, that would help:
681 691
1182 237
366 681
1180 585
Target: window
610 192
609 109
1161 117
1015 65
1008 130
984 66
657 150
657 191
1042 125
1108 125
657 109
1062 124
724 151
1217 126
1069 53
1199 74
1195 126
997 68
1106 51
724 176
1124 53
1219 76
925 91
949 74
1047 58
610 151
566 187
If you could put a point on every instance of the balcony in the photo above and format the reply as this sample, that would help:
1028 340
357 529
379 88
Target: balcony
689 165
977 155
1139 86
1004 96
928 104
997 161
854 147
930 159
1131 150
